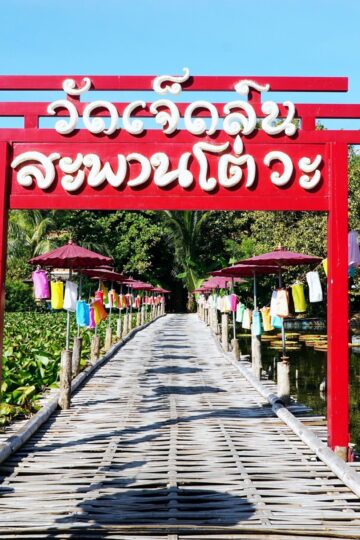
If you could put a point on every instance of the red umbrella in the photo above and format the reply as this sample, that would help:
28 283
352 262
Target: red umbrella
247 270
139 285
108 275
244 270
219 282
161 290
71 256
282 258
201 290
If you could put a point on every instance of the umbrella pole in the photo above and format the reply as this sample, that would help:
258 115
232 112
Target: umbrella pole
68 320
77 346
130 310
283 335
255 292
255 339
235 343
66 366
233 313
79 297
118 330
110 310
108 335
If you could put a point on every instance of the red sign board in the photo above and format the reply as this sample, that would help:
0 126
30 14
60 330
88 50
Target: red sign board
159 152
109 176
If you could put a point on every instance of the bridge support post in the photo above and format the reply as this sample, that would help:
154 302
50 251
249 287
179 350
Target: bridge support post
125 330
225 331
65 379
95 348
216 322
256 355
118 327
76 356
235 348
283 380
108 338
142 319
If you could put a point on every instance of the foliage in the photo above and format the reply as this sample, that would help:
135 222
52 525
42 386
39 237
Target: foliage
185 235
19 297
28 236
31 357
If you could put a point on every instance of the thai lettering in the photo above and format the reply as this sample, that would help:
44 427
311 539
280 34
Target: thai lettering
200 117
235 168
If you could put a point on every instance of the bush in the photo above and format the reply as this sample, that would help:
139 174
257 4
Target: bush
19 297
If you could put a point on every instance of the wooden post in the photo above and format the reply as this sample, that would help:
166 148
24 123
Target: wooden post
130 321
337 306
225 331
216 322
125 325
108 338
138 318
4 211
283 380
76 356
65 379
235 348
256 355
143 314
118 327
95 348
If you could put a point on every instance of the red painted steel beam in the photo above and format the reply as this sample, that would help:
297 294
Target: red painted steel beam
140 201
4 210
337 306
196 82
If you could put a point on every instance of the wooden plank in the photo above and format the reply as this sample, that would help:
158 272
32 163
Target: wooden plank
167 440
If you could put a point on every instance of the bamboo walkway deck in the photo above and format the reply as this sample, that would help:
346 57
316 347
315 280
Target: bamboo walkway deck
167 440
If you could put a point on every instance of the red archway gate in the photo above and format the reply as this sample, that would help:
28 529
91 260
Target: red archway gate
154 152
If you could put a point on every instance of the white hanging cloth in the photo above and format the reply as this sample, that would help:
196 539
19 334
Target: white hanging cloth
315 290
70 296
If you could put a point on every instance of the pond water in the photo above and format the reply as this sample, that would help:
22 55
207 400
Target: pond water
307 371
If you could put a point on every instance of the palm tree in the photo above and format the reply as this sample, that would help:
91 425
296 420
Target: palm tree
185 234
29 234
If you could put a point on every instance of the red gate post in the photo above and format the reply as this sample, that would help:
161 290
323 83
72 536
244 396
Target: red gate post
4 210
337 308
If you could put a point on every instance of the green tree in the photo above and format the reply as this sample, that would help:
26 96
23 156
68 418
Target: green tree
29 235
185 235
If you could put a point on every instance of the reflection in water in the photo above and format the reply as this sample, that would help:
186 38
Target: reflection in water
307 373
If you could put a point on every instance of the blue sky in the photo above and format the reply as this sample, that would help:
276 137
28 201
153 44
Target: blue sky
225 37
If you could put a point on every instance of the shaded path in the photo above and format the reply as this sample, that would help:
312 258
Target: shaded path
168 435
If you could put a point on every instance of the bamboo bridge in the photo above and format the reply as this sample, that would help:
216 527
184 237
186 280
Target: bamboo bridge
168 439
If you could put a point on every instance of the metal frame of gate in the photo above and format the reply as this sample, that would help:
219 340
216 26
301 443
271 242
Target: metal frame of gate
330 195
